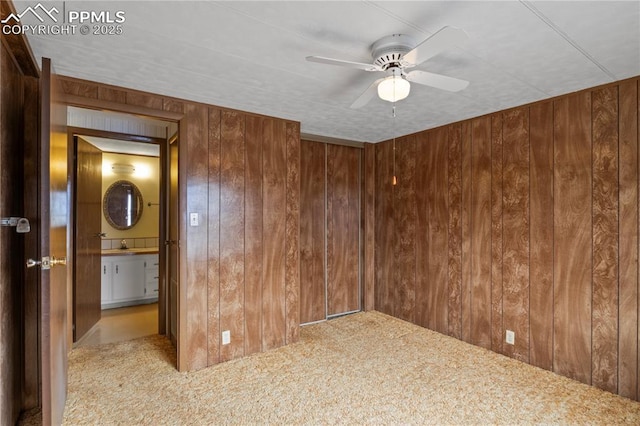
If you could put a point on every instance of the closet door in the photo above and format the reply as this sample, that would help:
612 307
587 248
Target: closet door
329 231
343 229
312 232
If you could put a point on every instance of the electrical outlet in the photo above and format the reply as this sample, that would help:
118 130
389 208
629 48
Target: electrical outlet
226 337
511 337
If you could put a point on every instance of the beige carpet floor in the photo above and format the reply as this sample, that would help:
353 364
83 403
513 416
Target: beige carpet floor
366 368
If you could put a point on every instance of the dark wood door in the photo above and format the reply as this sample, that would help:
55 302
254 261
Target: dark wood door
343 229
86 291
313 287
54 215
330 227
173 246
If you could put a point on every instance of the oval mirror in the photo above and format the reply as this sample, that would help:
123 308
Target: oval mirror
122 204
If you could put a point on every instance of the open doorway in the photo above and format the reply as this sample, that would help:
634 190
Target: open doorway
120 203
117 193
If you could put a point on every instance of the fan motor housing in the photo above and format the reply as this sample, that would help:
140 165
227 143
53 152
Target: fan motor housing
389 50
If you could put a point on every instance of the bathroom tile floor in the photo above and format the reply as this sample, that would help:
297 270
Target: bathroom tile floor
120 324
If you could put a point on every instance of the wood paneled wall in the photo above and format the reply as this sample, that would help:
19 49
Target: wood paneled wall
240 268
330 229
522 220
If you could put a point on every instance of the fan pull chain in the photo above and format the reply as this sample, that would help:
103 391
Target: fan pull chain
394 180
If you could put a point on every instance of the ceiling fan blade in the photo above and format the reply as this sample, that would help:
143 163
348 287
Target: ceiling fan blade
438 81
445 38
367 95
340 62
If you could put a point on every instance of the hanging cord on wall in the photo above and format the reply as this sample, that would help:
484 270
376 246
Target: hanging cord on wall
394 180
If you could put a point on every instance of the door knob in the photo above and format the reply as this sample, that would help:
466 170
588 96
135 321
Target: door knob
61 261
101 234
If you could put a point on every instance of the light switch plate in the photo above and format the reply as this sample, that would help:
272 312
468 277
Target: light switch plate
226 337
193 219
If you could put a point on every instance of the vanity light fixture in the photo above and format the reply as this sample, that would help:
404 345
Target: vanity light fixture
123 169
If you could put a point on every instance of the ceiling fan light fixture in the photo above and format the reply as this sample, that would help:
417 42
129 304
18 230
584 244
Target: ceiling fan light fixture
393 88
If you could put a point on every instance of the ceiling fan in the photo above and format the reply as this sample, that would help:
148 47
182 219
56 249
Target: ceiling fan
396 53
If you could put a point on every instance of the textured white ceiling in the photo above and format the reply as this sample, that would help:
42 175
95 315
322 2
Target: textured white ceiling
251 56
123 147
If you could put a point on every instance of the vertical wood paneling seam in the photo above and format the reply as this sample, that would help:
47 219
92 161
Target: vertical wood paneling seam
637 337
392 280
325 233
207 213
638 243
637 206
360 233
448 222
503 337
210 359
618 242
553 234
491 181
462 199
471 239
262 244
449 177
447 283
617 375
592 239
461 233
460 307
244 241
553 237
528 114
220 240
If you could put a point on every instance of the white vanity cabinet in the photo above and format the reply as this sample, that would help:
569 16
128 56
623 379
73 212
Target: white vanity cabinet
129 279
151 276
106 280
